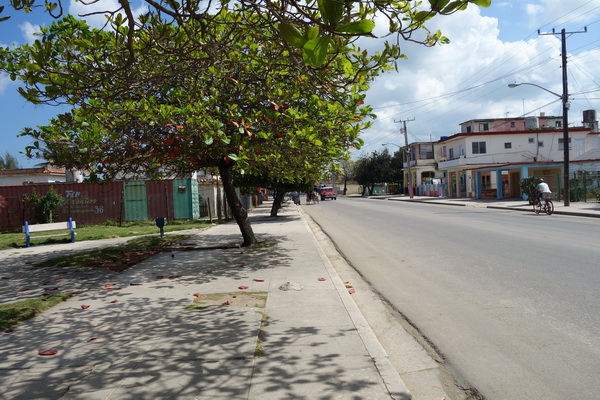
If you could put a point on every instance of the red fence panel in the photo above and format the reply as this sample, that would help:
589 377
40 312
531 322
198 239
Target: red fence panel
84 202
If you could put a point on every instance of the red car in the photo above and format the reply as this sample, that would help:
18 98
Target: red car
327 193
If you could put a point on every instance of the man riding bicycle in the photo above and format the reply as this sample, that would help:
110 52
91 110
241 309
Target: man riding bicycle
542 188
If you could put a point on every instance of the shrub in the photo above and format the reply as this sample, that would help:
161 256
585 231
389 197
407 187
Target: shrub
44 207
529 187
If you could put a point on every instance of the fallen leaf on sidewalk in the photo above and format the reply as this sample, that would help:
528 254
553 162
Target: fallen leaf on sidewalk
351 291
50 288
115 301
209 271
91 339
109 285
348 286
6 277
135 284
85 306
159 277
49 352
258 280
174 276
22 290
243 287
197 295
321 279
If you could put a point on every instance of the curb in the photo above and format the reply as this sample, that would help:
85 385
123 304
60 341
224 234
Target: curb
390 376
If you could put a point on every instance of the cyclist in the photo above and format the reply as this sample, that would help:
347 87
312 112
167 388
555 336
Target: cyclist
542 188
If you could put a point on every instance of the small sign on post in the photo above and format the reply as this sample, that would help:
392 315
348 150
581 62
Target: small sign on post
161 222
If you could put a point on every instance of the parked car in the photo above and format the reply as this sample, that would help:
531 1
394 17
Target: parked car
327 193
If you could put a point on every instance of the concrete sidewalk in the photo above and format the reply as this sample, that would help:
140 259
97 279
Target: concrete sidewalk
579 209
138 339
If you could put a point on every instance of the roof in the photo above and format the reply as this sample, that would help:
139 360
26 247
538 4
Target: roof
593 154
31 171
524 132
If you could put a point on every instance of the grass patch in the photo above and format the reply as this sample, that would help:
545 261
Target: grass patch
117 258
109 230
15 313
259 351
232 299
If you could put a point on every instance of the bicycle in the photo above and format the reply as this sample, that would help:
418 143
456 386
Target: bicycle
547 206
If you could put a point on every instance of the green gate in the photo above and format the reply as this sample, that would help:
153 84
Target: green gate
136 203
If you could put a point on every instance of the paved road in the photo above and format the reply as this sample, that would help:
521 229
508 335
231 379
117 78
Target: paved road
509 298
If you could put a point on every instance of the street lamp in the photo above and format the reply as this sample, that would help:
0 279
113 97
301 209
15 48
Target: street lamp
565 125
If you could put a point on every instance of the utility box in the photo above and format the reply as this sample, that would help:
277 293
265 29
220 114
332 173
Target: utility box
160 223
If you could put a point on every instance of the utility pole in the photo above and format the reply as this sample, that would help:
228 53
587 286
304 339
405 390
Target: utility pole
407 151
565 110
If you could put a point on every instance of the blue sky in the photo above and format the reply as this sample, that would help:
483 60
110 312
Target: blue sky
436 88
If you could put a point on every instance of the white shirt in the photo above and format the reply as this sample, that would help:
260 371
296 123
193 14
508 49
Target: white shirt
543 187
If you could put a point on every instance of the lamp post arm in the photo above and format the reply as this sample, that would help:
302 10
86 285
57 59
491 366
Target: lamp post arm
514 85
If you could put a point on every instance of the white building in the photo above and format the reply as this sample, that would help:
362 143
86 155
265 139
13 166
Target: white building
30 176
490 157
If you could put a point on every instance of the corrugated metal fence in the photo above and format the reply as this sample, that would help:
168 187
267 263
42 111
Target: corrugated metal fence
91 203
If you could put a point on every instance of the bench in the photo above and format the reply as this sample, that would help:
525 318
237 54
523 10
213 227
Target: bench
56 226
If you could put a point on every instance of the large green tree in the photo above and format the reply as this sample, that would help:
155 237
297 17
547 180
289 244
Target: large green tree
222 95
378 167
308 26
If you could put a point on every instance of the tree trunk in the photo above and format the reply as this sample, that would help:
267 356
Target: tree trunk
240 214
277 201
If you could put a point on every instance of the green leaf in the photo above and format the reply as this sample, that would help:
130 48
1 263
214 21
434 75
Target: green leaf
437 5
32 67
315 51
292 35
358 27
423 16
208 140
455 5
331 11
482 3
313 32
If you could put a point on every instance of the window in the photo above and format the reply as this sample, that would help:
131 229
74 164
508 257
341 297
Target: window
478 147
484 126
469 129
541 143
426 151
451 153
512 124
561 144
558 124
508 145
531 140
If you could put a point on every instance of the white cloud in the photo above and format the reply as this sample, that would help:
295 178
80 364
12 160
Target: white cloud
562 13
444 86
29 30
4 82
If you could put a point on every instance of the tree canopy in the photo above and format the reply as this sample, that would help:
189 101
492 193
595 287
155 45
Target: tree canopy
220 95
9 161
309 27
378 167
